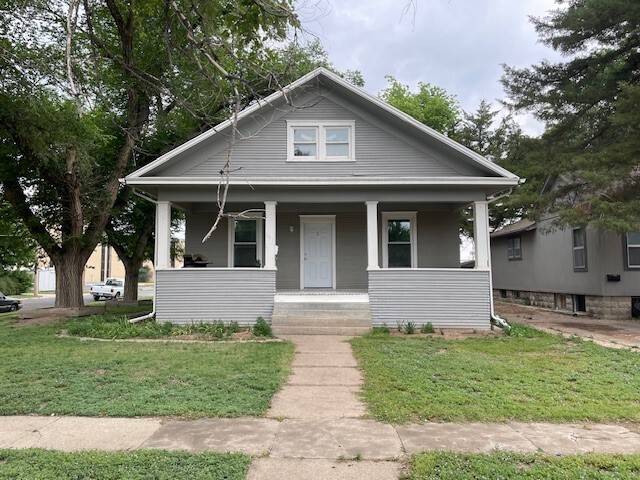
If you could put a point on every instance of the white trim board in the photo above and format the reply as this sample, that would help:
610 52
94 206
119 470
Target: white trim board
413 218
318 219
231 239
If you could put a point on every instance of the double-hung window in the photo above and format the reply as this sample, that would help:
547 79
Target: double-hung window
399 247
245 242
321 141
579 239
514 248
632 250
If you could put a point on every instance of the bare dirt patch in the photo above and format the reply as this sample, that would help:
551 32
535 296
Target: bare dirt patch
615 334
591 327
450 333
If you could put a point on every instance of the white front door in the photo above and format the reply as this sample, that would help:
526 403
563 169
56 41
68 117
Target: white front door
318 255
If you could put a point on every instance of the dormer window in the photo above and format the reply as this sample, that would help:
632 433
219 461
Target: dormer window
320 141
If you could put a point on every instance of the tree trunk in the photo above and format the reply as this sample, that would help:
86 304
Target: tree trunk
69 279
131 269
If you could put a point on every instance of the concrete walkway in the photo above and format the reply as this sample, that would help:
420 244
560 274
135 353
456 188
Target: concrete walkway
325 381
315 429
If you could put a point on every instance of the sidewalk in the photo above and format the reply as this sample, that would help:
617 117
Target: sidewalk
316 429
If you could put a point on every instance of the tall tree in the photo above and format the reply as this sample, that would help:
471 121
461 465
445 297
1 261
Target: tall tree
587 102
500 139
430 105
82 81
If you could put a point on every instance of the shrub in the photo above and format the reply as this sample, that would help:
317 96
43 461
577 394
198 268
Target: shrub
144 274
262 328
410 329
384 329
9 286
15 282
427 328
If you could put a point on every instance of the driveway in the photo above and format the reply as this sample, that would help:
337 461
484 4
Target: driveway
609 333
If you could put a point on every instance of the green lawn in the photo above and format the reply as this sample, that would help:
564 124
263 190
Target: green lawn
513 466
43 374
530 376
145 464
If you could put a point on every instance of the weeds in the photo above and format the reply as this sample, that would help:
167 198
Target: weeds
262 328
427 328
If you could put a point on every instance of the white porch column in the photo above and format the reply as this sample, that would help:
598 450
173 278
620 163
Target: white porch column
372 234
270 234
481 234
163 235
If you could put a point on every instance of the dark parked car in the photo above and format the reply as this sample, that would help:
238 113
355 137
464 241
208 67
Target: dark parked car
8 304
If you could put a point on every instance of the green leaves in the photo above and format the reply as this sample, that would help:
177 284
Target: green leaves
430 105
589 103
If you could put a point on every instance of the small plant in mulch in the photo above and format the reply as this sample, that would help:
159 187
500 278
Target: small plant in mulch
427 328
262 328
410 328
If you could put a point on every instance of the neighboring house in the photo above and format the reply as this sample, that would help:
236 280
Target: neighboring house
102 264
348 199
573 269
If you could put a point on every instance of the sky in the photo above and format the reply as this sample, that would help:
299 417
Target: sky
459 45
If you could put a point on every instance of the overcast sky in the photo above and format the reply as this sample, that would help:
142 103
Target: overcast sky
458 45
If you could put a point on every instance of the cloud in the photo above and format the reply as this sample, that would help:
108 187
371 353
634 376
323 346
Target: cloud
459 45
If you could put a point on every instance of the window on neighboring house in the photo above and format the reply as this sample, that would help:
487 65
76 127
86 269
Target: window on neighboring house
514 249
245 246
321 141
632 250
399 240
579 239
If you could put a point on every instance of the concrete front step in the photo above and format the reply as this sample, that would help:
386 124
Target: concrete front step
318 330
357 314
320 321
295 306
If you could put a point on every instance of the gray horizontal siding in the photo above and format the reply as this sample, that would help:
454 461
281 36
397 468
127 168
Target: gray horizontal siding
206 295
263 153
454 298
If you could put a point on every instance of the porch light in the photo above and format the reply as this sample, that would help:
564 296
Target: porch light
291 228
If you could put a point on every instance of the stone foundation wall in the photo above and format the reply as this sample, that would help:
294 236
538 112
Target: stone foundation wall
606 308
610 307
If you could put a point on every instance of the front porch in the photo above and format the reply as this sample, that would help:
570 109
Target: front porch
400 259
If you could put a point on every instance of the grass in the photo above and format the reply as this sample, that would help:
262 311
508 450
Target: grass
43 374
513 466
529 376
139 465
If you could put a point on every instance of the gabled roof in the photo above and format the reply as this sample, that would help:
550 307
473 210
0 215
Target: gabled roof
329 78
524 225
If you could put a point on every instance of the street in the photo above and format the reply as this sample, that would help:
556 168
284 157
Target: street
48 300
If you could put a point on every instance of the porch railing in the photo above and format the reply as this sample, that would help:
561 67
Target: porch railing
446 297
188 295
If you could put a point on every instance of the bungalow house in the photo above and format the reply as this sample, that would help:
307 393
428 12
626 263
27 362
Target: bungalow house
576 270
351 214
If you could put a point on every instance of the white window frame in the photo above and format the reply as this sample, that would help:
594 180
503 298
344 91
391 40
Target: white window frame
511 250
413 236
579 268
321 140
629 246
232 238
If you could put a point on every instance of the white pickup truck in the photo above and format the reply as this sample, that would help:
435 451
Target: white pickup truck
112 288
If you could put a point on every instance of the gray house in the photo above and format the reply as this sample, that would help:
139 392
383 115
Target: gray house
573 269
338 202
